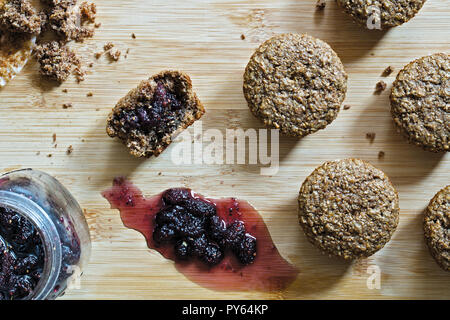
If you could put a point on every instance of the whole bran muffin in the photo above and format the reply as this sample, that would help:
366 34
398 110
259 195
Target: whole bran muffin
295 83
392 12
150 116
420 102
437 228
348 208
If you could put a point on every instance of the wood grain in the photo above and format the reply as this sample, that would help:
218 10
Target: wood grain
203 38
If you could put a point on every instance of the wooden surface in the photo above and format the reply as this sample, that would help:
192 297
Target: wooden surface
203 38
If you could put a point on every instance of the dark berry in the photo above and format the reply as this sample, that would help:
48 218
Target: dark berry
164 233
200 207
26 265
217 229
170 214
212 254
246 250
199 244
235 234
183 249
21 287
176 196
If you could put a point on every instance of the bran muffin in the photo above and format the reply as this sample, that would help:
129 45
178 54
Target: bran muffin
150 116
348 208
295 83
392 13
437 228
420 102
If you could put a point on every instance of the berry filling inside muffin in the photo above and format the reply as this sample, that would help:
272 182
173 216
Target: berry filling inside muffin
150 116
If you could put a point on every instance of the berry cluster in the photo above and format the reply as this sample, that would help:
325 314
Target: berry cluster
194 228
21 256
151 115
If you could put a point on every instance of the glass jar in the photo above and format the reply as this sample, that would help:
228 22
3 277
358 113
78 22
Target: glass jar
58 220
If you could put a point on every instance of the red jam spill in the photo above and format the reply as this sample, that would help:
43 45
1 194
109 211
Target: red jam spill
269 271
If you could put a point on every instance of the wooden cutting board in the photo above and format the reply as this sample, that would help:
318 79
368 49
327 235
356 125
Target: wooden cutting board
203 38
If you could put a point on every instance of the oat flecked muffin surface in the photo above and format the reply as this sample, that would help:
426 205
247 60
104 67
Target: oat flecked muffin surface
437 228
392 12
420 102
150 116
295 83
348 208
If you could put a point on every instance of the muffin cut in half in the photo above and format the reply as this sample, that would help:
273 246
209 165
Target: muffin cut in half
150 116
348 208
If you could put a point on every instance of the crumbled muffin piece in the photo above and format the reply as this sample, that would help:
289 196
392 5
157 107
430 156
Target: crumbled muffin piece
69 150
380 87
114 54
108 46
56 60
149 117
371 136
388 71
133 36
64 21
321 4
67 105
347 107
381 155
88 11
19 16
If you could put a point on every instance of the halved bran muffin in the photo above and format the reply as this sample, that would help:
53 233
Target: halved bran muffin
437 228
150 116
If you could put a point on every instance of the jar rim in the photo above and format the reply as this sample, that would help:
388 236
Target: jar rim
49 235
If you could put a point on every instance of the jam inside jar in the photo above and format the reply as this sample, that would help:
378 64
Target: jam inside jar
44 237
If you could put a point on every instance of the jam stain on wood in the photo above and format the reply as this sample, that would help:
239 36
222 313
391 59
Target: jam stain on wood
269 272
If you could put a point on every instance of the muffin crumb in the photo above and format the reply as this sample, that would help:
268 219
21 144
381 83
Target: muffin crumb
371 136
321 4
388 71
69 150
67 105
380 87
347 107
381 155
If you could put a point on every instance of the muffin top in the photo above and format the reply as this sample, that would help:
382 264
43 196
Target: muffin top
295 83
348 208
420 102
392 12
437 228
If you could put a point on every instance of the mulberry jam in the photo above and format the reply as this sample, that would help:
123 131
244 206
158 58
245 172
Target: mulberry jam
44 238
220 244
